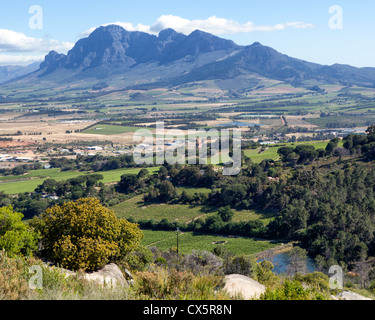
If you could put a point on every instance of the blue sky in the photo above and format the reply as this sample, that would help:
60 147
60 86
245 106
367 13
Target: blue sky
298 28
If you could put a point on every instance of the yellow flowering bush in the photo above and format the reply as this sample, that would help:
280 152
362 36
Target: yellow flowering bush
85 235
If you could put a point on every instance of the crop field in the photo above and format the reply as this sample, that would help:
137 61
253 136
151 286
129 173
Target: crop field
299 121
30 181
247 215
316 144
109 130
344 121
192 190
189 241
257 156
137 209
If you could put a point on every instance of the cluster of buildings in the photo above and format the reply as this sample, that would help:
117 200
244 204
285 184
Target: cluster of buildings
9 158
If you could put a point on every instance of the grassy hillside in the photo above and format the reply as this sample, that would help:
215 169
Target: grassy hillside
270 152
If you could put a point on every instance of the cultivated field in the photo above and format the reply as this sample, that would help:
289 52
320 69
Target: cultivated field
29 182
189 241
137 209
109 130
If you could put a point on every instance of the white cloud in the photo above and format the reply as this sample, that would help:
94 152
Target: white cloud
12 41
22 60
20 49
212 25
218 26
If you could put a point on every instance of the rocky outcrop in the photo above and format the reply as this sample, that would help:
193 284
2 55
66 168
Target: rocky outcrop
113 45
110 275
239 286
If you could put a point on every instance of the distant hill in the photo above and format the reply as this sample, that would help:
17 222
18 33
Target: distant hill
172 58
11 72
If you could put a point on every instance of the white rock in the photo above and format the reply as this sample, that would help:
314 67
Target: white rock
239 285
109 275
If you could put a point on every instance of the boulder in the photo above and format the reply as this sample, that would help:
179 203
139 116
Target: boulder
109 275
348 295
244 287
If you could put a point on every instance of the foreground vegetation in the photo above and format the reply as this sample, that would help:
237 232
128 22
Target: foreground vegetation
155 283
84 236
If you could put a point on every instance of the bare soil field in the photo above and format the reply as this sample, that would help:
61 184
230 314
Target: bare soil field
297 121
39 131
8 144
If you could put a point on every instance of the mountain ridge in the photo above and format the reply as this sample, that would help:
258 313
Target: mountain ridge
172 58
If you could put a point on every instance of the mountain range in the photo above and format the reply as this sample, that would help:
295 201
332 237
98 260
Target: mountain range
172 58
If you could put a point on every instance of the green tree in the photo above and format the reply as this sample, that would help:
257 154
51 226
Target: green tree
188 176
233 194
128 183
143 173
307 155
163 173
330 147
348 144
49 186
284 152
213 224
369 150
262 272
167 191
15 236
226 214
241 264
370 129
